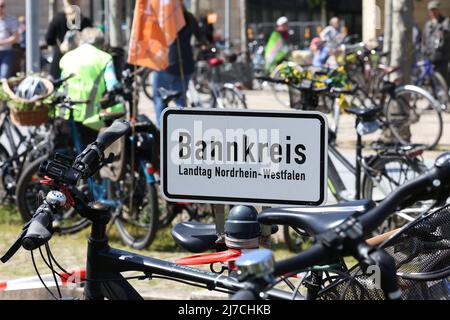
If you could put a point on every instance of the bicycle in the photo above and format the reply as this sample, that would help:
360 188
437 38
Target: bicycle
31 146
407 110
23 149
412 262
425 76
105 264
219 95
376 176
131 190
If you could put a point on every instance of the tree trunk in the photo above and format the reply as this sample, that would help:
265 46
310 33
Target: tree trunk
115 23
401 43
398 41
388 28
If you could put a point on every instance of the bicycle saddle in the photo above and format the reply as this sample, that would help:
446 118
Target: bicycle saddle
365 114
169 95
196 237
315 220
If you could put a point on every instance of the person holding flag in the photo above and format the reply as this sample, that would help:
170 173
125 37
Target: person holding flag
277 47
161 40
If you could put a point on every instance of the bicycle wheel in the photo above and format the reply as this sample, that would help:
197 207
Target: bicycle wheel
414 117
4 155
137 218
440 90
230 98
387 174
281 91
147 83
27 192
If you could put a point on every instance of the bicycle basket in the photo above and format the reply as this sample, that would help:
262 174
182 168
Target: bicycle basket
422 254
24 112
304 99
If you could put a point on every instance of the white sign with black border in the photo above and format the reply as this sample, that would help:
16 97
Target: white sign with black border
269 158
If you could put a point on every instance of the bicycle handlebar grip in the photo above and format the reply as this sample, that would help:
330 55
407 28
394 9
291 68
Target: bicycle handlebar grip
117 130
244 295
38 232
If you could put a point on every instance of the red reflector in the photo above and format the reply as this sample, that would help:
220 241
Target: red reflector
150 169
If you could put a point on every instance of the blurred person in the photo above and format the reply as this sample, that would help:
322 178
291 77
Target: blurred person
22 30
181 65
332 34
9 27
207 30
436 39
320 52
94 77
57 30
277 47
21 45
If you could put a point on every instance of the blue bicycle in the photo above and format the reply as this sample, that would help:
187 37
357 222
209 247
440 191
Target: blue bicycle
127 184
426 77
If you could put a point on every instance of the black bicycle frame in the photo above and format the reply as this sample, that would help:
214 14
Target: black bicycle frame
105 264
9 129
333 174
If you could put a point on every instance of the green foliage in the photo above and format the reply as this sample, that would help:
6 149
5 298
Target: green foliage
316 3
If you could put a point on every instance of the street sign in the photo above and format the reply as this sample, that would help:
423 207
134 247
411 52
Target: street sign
244 157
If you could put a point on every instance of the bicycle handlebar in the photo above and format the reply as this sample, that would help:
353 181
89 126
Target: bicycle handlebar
38 232
299 87
59 82
90 160
328 249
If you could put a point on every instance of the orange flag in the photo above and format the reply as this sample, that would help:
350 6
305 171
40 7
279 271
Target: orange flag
155 27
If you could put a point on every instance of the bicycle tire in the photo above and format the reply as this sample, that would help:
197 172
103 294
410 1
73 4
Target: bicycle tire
147 84
406 109
4 155
150 232
231 98
26 209
442 96
380 164
276 74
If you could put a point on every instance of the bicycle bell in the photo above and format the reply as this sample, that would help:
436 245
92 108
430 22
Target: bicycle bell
257 263
56 198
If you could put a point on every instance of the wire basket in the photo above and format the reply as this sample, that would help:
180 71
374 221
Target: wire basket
422 255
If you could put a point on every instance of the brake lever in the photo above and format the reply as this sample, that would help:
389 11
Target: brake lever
16 245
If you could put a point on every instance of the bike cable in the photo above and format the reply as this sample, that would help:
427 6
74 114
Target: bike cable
39 276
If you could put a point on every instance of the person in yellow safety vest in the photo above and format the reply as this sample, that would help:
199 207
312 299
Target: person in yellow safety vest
94 76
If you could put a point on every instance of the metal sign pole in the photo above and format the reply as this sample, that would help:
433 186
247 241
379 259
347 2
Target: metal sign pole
227 23
32 36
107 22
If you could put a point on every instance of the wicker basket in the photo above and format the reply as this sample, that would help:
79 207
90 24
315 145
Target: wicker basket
38 113
31 117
